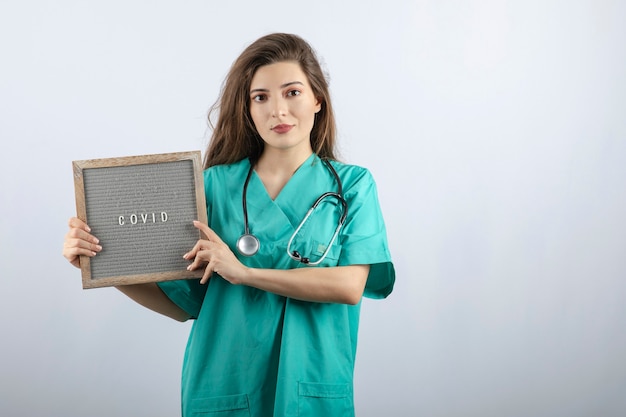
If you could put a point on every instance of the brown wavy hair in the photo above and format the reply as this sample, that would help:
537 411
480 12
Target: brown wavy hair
234 135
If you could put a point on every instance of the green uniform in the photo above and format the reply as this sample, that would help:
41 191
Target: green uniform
254 353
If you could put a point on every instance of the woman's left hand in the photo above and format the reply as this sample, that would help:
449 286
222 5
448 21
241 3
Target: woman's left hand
217 257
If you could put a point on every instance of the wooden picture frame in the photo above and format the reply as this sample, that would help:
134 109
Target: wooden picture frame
141 208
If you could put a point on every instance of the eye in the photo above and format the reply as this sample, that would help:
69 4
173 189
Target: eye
293 93
259 98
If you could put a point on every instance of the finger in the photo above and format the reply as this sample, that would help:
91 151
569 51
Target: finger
73 254
80 229
208 232
200 245
75 222
77 233
207 274
200 259
79 239
81 247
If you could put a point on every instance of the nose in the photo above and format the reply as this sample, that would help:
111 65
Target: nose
279 107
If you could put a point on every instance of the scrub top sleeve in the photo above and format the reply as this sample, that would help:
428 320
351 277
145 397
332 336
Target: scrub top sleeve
187 294
364 236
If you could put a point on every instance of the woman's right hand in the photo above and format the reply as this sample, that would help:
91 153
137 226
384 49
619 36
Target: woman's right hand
79 241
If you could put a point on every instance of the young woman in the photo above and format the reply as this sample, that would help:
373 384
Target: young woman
277 309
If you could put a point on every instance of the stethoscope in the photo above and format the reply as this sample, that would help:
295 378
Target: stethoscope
248 244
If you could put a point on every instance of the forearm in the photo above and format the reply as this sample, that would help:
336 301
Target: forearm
342 284
150 296
338 284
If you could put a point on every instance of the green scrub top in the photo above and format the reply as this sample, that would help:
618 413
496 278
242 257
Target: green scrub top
255 353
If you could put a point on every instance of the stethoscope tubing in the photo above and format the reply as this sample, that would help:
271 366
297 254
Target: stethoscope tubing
295 255
248 244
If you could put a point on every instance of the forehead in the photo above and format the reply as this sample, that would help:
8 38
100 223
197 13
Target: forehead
277 74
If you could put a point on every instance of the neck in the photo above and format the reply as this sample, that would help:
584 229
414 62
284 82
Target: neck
284 162
276 168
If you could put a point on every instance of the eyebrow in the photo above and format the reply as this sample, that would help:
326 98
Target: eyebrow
265 90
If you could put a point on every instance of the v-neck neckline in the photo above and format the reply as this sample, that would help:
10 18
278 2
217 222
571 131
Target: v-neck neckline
297 173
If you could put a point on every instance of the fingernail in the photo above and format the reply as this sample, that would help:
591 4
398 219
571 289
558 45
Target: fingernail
96 240
98 248
189 268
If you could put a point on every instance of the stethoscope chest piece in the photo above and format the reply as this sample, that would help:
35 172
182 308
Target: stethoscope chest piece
248 244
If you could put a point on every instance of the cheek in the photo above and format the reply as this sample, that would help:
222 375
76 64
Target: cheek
308 115
256 117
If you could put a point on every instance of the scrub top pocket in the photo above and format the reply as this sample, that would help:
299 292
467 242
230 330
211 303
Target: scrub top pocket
329 400
317 251
226 406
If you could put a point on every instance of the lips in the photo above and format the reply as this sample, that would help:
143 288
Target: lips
282 128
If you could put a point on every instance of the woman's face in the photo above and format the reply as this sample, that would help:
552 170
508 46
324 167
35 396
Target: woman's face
283 106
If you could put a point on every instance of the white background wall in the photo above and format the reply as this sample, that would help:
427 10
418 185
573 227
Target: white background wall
496 132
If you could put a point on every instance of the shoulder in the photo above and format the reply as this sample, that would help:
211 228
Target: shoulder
354 178
227 170
220 180
350 172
